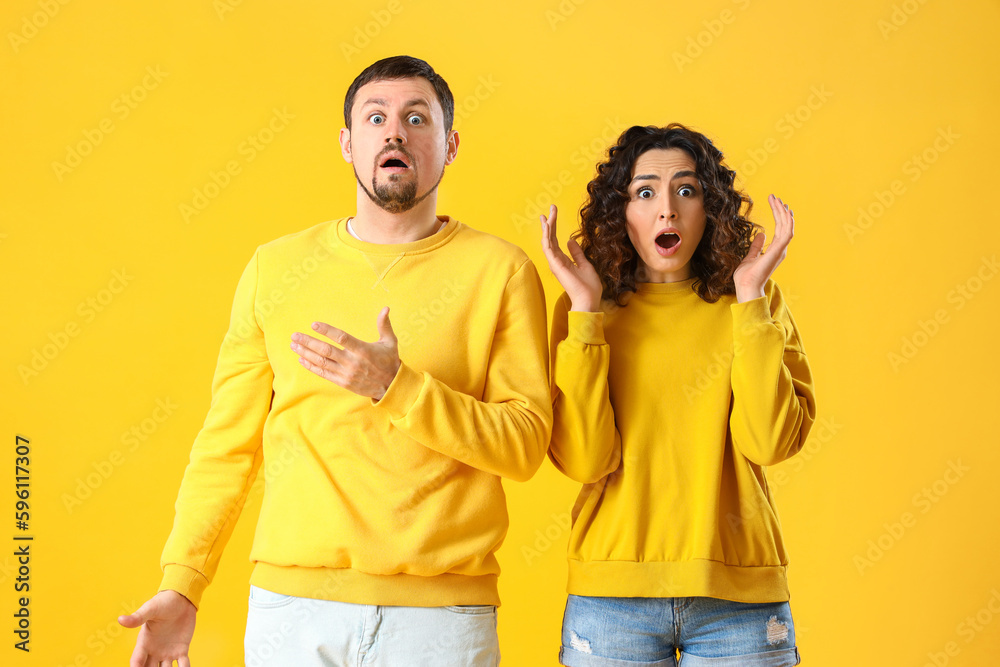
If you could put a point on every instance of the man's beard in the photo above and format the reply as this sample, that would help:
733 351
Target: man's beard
395 196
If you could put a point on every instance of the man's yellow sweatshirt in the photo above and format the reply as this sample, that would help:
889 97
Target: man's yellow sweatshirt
669 410
392 502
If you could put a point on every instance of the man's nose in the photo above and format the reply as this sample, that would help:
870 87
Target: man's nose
395 132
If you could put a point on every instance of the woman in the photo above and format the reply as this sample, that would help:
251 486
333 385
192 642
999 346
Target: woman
678 377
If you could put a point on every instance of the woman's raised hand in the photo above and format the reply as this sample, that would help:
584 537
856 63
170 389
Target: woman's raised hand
753 272
576 275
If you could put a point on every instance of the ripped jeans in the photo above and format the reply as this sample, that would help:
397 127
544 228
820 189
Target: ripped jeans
649 632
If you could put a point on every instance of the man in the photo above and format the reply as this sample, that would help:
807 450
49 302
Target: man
383 505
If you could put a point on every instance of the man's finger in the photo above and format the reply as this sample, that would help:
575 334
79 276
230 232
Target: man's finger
319 353
323 372
320 347
183 661
384 326
139 656
338 336
137 617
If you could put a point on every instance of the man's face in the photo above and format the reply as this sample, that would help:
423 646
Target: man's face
397 142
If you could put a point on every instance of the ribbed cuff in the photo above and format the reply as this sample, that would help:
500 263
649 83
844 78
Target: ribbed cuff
586 327
185 580
402 392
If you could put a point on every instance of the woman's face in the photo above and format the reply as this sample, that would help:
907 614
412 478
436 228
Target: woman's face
665 214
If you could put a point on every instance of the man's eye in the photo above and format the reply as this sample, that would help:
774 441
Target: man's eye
415 120
376 119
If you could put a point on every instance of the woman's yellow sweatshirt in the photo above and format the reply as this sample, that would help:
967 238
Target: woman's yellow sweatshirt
392 502
668 410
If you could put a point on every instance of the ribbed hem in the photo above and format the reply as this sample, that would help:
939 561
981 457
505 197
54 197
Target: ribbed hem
347 585
693 578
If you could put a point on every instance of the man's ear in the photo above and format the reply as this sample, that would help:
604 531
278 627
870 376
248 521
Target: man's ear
345 145
452 147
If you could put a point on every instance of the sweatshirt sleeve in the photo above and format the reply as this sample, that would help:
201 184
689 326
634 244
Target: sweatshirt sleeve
586 444
506 433
226 453
773 397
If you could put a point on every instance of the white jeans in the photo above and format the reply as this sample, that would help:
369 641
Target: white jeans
287 631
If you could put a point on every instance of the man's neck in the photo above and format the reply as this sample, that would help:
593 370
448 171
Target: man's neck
376 225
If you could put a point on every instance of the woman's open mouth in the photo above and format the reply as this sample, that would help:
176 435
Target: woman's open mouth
667 243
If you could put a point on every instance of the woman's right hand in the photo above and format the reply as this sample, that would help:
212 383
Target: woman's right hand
577 276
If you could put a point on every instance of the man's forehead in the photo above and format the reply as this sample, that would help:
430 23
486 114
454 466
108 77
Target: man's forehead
398 91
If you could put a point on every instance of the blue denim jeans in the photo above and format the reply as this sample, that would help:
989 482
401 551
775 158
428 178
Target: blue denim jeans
706 632
287 631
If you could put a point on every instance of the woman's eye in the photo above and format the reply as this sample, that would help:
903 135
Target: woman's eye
416 120
376 119
644 193
687 191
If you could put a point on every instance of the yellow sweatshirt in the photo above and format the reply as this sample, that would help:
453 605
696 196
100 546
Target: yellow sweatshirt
668 410
392 502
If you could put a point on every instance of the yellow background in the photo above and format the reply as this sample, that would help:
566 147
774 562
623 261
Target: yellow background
826 104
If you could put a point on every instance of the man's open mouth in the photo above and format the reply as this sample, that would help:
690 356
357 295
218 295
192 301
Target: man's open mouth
394 161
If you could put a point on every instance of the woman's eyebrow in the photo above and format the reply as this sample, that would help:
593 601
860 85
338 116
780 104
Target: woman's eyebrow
644 177
682 174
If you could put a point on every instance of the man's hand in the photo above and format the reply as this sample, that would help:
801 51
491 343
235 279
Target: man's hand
366 369
167 621
757 267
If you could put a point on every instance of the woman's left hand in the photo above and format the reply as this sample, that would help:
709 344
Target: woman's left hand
753 272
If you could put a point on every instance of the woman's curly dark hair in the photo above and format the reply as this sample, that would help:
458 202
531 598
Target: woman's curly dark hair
603 233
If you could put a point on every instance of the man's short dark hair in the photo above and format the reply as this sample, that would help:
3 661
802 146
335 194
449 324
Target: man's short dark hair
402 67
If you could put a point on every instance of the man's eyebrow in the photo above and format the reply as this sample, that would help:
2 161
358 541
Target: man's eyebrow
378 101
